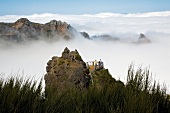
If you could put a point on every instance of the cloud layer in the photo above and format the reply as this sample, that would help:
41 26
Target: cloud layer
32 57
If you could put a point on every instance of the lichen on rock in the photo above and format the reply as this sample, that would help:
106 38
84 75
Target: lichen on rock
66 72
70 71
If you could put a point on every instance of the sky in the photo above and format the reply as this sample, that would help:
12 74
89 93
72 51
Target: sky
27 7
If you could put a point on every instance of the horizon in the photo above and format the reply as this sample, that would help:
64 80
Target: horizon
76 7
86 14
46 17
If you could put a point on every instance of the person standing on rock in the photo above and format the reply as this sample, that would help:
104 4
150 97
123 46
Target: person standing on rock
87 65
95 64
100 63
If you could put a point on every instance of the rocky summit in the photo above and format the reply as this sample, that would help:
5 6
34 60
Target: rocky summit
23 29
67 71
70 71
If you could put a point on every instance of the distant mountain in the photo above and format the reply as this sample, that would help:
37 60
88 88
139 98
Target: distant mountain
143 39
23 29
105 37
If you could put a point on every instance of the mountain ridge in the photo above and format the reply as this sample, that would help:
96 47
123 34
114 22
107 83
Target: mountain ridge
23 29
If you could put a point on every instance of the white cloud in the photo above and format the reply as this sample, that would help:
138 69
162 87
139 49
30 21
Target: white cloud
32 58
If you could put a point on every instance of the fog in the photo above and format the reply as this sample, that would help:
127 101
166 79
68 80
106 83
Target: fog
30 59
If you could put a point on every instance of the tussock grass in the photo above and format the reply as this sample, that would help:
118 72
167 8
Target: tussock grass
138 95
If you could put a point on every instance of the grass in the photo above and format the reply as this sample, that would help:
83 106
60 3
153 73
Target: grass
140 94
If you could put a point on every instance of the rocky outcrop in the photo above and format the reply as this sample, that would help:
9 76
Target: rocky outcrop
67 71
84 34
23 29
143 39
101 77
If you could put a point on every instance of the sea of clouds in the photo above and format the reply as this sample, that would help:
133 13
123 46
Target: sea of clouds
30 59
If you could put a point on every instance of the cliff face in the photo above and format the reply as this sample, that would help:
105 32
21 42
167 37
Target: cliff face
23 29
67 71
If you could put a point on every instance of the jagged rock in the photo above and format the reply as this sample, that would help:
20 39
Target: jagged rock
142 36
70 71
67 71
23 29
143 39
63 29
19 23
65 53
84 34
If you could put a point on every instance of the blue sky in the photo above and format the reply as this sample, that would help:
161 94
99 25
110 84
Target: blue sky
27 7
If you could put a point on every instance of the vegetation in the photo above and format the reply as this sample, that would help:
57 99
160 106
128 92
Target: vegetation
138 95
61 61
78 57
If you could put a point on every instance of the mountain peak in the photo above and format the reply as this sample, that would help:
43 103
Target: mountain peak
22 20
66 71
69 71
23 30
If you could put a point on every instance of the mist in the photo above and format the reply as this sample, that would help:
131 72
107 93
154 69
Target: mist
29 59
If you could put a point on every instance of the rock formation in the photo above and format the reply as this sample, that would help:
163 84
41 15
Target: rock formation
143 39
84 34
67 71
23 29
70 71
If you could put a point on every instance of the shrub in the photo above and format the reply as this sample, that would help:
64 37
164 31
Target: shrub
78 57
139 94
61 61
